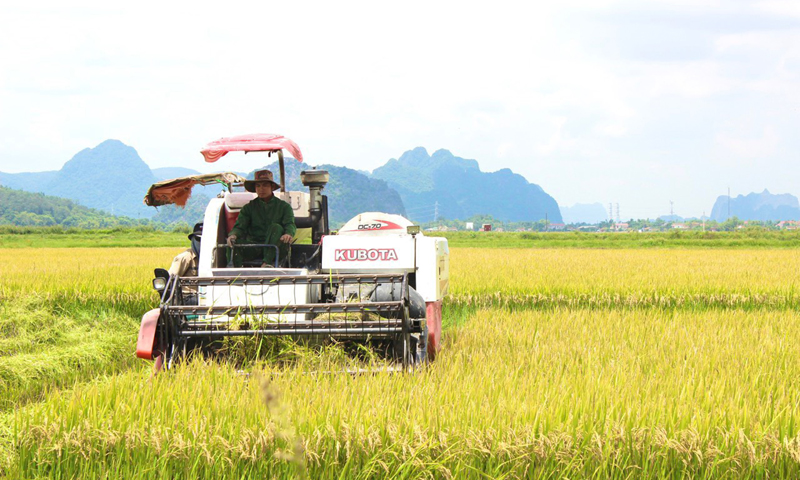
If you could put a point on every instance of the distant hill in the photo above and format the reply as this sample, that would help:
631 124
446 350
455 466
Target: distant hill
112 178
28 181
36 209
349 191
462 190
592 213
757 206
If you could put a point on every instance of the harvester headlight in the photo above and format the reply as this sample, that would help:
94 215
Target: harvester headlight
412 229
160 283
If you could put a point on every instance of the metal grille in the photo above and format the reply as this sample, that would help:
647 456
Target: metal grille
342 306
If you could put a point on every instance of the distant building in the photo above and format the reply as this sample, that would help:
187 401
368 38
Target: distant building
680 226
486 227
621 227
789 225
556 227
469 226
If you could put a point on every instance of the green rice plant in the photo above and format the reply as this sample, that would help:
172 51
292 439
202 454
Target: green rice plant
41 350
744 239
57 237
84 278
69 315
624 278
120 278
560 362
586 393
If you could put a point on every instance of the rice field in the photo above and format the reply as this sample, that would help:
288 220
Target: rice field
558 363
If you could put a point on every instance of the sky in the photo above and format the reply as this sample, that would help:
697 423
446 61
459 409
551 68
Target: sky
632 102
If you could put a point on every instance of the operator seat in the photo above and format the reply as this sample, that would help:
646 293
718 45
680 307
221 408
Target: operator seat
234 201
233 205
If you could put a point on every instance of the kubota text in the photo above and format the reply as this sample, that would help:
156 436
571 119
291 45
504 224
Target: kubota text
364 254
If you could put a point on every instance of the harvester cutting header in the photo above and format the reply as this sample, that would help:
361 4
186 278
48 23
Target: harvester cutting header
380 280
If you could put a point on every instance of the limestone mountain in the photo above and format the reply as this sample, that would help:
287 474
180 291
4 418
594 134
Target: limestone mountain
461 189
113 178
110 177
757 206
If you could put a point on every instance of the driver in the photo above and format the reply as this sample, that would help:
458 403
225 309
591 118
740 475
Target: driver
266 219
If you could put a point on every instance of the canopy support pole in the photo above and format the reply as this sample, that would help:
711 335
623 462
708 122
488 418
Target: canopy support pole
283 171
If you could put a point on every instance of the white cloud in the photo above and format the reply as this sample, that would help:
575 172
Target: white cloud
747 148
780 7
542 88
612 129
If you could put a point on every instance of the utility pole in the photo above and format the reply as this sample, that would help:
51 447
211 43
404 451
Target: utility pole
704 221
436 211
546 223
671 211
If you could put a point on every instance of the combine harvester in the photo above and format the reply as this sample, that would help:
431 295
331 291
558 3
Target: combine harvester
379 281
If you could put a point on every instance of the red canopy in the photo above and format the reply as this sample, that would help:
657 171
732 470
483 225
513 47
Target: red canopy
257 142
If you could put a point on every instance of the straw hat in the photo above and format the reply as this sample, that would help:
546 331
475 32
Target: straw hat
260 177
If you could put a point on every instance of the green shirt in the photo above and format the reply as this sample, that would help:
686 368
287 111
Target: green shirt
258 215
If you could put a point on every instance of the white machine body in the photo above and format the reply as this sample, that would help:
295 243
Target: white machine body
379 242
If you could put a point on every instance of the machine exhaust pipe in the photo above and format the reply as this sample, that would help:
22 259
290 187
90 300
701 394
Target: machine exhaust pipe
315 180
